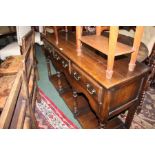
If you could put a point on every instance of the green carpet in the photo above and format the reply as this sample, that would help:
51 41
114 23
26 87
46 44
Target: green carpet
47 86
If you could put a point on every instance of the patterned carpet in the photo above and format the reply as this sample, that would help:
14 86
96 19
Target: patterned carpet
146 118
49 116
148 108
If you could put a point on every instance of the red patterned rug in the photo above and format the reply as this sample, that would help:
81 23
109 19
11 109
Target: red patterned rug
49 116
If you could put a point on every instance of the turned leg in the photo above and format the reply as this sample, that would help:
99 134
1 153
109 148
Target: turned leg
48 67
136 45
59 82
75 108
56 34
130 115
143 93
139 108
152 76
78 37
66 29
98 30
111 54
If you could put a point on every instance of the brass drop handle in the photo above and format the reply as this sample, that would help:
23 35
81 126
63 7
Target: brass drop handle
90 89
64 64
56 56
76 76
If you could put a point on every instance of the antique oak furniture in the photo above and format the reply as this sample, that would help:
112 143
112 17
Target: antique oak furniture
55 30
95 100
19 94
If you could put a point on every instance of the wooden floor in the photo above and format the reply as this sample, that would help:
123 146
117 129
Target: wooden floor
86 116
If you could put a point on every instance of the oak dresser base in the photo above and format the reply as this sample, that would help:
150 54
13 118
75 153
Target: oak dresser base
86 118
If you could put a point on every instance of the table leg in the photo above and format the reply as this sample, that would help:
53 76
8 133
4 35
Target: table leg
59 82
130 115
48 67
139 108
75 108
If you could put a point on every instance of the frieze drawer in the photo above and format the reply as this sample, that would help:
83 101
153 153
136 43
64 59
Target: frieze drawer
61 61
90 85
48 46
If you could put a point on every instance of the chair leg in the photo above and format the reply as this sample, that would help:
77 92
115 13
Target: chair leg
98 30
136 45
78 37
56 34
111 55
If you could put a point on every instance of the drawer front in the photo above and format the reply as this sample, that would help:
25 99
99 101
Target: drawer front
90 85
61 61
48 48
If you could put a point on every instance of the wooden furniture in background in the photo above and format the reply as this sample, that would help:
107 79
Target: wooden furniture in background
15 111
11 65
8 70
55 31
99 29
7 31
95 98
110 47
19 102
29 63
7 34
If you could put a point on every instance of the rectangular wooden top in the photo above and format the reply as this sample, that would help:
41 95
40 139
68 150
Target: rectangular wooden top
101 43
93 63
